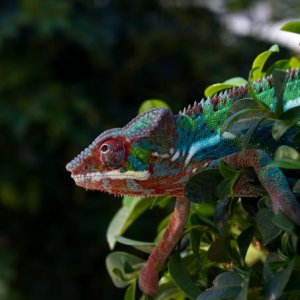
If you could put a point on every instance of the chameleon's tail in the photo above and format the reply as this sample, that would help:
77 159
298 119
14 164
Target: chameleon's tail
149 275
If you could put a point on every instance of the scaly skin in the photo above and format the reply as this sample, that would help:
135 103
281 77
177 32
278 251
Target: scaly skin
149 275
156 153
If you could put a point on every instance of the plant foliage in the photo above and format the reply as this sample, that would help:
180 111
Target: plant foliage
232 247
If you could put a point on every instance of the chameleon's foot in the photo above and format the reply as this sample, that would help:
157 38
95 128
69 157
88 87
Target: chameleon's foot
148 280
271 178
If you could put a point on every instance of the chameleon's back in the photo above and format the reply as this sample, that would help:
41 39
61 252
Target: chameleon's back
291 96
264 90
209 115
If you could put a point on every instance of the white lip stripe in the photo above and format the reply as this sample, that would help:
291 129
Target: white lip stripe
202 144
115 174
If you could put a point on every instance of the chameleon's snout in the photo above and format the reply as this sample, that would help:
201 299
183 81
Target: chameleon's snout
78 160
70 166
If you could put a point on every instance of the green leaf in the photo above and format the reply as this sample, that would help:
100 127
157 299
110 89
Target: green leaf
294 62
244 241
215 88
296 187
115 264
130 292
286 157
223 211
128 268
203 223
230 83
280 128
220 250
195 236
201 188
252 127
277 283
206 209
152 103
286 164
293 288
266 228
293 114
253 95
260 61
162 225
236 81
195 243
284 64
286 152
244 114
243 295
162 201
287 119
289 243
227 170
279 82
168 290
283 222
281 64
224 188
246 103
132 208
226 285
142 246
181 277
293 26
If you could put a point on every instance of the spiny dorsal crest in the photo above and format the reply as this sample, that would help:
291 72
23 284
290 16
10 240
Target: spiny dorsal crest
234 94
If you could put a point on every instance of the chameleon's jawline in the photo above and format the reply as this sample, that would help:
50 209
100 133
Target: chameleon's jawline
114 174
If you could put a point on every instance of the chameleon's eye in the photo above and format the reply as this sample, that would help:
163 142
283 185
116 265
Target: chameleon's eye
104 148
112 153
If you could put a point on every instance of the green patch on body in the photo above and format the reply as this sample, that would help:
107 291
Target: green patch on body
216 118
138 158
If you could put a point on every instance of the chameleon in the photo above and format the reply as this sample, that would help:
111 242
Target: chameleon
157 152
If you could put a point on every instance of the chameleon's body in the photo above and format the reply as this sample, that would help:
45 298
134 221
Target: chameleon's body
157 152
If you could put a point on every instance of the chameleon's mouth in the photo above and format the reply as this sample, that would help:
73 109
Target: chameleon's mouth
113 182
113 175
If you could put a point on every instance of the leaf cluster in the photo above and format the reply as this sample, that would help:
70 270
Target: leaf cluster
232 248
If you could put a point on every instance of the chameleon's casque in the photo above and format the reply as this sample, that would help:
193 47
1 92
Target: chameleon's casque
157 152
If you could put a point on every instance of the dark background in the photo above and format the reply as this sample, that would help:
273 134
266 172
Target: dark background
68 71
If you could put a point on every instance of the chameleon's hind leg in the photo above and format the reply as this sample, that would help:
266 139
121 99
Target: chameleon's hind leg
271 178
149 275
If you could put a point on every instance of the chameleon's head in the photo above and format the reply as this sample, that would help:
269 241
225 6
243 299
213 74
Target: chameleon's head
133 160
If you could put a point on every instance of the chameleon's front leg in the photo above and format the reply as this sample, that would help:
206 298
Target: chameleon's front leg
271 178
149 275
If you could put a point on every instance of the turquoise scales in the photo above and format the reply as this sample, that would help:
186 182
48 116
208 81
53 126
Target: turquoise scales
156 153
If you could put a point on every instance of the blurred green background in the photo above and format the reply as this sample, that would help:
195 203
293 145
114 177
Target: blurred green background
68 71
